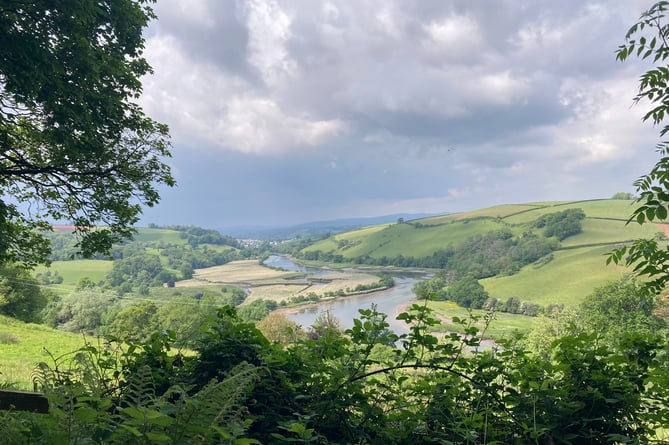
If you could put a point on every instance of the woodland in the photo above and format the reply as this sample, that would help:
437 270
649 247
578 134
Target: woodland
75 145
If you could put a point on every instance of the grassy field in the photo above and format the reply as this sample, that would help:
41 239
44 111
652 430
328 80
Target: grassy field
502 324
23 345
166 236
567 279
605 223
403 239
73 271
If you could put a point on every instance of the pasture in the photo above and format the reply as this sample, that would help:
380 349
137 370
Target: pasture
23 345
567 279
604 224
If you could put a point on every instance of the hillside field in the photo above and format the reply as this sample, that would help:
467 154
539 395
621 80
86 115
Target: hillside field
566 276
23 345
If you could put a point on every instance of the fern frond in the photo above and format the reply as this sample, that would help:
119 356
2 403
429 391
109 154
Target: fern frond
217 407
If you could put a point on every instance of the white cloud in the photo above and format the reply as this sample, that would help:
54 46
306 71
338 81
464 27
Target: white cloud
269 30
257 125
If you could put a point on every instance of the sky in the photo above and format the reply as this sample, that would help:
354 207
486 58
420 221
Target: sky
284 112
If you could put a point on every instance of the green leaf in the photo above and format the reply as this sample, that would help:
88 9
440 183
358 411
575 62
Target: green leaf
85 414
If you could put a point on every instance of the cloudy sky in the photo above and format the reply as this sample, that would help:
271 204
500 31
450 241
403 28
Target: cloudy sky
284 112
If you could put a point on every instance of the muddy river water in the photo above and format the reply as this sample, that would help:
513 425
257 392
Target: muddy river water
388 301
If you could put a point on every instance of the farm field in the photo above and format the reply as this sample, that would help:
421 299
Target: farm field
567 279
74 270
604 223
23 345
269 284
246 272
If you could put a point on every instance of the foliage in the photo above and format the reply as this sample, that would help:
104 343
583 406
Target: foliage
349 388
496 252
21 296
467 292
561 224
432 288
82 311
621 306
613 310
256 310
648 40
197 235
111 393
136 270
185 316
136 322
276 327
74 144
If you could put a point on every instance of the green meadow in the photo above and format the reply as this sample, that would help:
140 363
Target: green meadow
23 345
567 279
167 236
75 270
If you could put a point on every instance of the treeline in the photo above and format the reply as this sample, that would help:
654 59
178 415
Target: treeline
65 244
561 224
497 252
494 253
467 292
136 270
196 236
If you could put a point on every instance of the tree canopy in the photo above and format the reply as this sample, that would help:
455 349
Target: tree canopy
74 144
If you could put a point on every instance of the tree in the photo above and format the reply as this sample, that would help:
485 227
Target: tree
561 224
648 39
278 328
620 307
84 310
74 144
623 195
21 296
136 322
136 270
467 292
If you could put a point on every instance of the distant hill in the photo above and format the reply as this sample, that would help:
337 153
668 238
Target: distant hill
314 229
565 275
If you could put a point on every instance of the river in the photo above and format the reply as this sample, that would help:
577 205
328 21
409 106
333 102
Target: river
346 309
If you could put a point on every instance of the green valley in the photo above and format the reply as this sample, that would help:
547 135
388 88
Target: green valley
423 243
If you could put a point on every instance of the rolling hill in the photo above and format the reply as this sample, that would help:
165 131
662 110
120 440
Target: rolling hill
566 275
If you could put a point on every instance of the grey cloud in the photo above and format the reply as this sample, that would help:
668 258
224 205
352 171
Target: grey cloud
298 110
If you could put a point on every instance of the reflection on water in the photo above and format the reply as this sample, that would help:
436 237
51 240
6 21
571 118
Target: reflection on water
346 309
282 262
